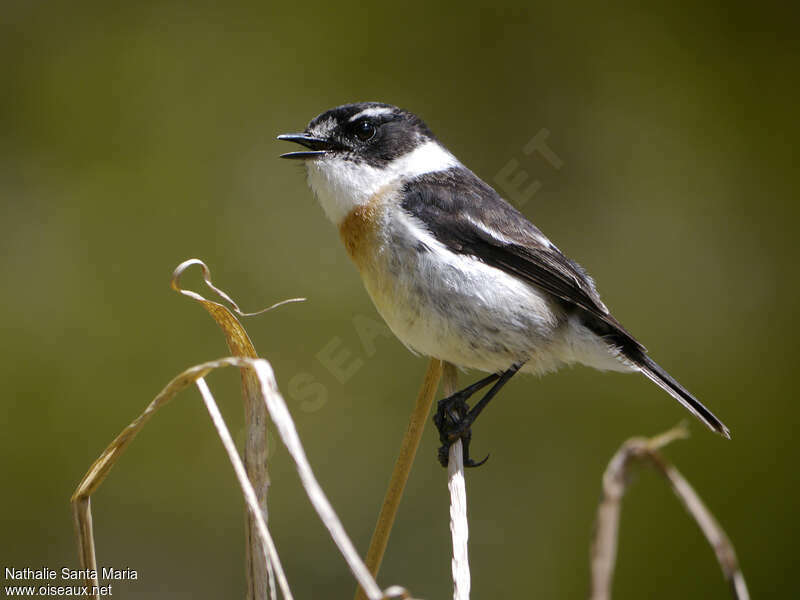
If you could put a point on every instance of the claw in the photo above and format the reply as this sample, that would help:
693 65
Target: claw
453 421
454 417
444 452
469 463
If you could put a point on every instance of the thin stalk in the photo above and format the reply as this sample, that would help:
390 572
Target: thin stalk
402 468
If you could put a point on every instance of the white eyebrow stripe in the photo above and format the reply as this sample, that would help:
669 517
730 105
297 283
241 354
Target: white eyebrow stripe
370 112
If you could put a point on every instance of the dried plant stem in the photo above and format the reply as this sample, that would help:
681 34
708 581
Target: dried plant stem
456 484
279 413
719 541
81 499
615 483
402 467
288 434
270 553
94 477
259 576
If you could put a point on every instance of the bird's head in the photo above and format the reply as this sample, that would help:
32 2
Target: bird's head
355 150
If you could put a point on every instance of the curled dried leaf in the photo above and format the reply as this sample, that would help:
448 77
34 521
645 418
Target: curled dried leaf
181 268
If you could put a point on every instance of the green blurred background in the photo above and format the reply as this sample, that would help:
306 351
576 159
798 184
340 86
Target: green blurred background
136 135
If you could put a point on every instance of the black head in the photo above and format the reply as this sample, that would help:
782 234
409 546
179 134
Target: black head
369 132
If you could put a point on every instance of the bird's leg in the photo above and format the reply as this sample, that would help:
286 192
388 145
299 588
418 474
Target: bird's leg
454 418
451 411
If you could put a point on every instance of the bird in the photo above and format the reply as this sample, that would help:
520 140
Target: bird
457 272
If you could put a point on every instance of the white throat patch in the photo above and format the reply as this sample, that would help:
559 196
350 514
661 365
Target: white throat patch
340 185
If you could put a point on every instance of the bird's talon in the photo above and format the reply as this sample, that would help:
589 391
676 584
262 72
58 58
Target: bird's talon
468 462
471 464
453 421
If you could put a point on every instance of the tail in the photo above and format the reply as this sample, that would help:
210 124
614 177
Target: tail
666 382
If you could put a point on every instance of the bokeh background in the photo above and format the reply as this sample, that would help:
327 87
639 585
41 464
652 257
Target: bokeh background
136 135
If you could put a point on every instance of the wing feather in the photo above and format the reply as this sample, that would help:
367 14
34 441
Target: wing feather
469 217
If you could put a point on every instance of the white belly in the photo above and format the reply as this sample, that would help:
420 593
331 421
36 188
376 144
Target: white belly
458 309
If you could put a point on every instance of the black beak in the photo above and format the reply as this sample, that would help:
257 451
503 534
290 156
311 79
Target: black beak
318 146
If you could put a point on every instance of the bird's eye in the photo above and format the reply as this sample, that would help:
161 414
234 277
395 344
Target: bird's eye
364 130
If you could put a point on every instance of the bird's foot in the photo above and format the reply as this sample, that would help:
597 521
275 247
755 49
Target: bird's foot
454 421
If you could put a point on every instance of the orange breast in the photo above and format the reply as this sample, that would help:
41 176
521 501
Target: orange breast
360 230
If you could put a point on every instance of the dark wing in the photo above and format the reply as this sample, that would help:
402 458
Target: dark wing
469 217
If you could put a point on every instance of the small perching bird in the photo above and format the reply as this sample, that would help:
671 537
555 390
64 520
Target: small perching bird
456 272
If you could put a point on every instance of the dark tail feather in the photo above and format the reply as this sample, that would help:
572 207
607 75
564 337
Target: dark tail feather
665 381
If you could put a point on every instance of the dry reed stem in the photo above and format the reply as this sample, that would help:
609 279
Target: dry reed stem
81 503
287 432
270 553
456 485
459 525
615 483
81 499
259 578
402 468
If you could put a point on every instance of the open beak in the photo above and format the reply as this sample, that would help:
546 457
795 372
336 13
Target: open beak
317 146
